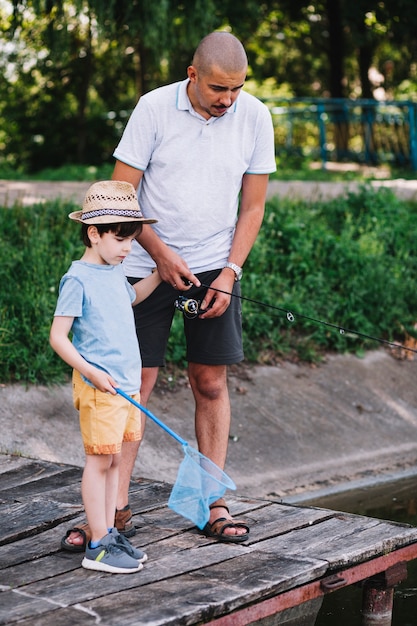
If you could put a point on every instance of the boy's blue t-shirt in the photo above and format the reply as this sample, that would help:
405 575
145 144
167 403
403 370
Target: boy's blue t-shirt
100 300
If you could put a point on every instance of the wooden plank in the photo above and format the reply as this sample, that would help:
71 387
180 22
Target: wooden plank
45 567
312 590
278 519
24 519
68 477
207 592
77 585
342 540
163 582
10 462
32 548
32 476
84 585
68 494
145 495
71 616
15 606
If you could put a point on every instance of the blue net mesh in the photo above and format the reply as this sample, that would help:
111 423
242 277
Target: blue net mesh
199 483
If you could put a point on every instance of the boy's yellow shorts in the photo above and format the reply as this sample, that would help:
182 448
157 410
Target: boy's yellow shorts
105 420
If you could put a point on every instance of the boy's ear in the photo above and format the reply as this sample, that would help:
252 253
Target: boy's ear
93 233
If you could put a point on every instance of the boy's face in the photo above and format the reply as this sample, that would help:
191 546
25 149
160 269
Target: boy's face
109 248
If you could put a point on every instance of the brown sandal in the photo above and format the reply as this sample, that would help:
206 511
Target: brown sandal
217 528
122 521
84 531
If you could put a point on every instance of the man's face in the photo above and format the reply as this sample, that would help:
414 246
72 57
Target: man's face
213 93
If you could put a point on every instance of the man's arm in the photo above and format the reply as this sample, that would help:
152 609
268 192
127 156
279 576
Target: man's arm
172 268
251 213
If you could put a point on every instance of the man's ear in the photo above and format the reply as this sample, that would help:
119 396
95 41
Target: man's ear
192 73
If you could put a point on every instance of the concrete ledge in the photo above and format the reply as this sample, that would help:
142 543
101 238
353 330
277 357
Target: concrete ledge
296 429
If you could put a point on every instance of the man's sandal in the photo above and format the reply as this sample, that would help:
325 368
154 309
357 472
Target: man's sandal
84 531
217 528
122 521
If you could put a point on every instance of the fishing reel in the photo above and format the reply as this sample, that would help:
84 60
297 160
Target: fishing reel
187 306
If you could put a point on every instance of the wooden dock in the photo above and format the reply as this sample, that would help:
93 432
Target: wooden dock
294 556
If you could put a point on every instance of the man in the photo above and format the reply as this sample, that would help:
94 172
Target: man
193 149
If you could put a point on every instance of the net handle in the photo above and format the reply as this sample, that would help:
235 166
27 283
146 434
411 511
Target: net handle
166 428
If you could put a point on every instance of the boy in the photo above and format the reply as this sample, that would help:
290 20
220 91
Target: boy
95 305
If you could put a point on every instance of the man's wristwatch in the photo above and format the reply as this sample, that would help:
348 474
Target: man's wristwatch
237 270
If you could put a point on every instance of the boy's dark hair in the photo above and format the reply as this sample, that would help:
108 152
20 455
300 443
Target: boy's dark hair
121 229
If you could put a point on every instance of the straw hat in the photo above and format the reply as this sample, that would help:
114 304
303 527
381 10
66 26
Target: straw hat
110 202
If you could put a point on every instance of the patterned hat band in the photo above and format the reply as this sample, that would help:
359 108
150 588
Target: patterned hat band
110 202
87 215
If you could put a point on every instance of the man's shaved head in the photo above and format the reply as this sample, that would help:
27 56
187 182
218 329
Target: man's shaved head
220 49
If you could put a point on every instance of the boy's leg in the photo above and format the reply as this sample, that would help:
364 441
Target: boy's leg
101 432
98 490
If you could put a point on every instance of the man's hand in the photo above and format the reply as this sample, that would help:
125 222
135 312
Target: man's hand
215 302
174 270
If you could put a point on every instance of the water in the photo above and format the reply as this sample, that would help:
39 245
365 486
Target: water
390 501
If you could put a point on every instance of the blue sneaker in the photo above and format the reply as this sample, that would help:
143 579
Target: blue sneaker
124 544
109 557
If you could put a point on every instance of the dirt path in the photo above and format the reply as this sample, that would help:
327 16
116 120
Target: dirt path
27 193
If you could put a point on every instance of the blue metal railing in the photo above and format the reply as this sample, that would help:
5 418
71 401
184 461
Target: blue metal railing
336 129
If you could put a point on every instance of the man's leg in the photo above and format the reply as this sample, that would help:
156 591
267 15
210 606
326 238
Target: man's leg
212 421
130 449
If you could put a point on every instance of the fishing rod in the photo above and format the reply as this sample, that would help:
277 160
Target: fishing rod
191 308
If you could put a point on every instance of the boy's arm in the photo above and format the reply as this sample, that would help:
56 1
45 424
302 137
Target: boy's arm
58 338
146 286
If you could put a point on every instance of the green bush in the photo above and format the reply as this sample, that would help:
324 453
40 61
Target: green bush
38 245
350 262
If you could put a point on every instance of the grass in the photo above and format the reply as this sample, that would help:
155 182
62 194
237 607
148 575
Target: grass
350 263
66 173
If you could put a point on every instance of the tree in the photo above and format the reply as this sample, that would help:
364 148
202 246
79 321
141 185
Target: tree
89 60
75 68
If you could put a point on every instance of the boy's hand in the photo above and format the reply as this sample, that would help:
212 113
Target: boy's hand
102 381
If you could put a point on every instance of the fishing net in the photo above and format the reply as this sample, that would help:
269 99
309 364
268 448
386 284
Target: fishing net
199 483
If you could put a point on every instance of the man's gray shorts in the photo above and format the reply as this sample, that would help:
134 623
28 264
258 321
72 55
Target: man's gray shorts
216 341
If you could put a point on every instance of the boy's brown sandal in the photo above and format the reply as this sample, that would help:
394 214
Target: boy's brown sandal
122 521
217 528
